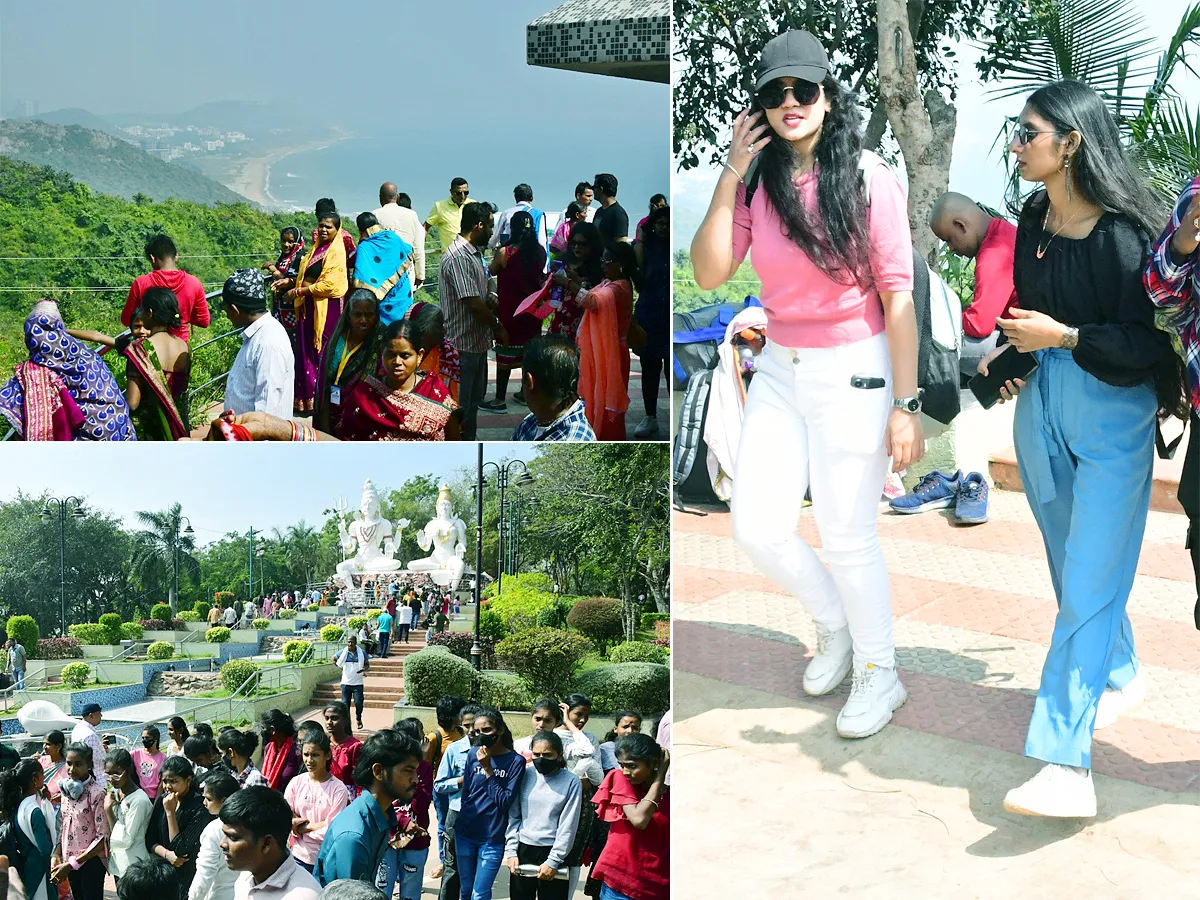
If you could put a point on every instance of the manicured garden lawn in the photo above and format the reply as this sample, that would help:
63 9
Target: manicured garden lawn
223 693
87 687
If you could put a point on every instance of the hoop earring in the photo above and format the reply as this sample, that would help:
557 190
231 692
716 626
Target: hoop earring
1068 174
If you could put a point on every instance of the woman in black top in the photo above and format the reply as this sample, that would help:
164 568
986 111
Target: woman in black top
1085 423
178 821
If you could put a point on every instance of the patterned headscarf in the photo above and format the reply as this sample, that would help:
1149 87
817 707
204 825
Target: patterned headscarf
87 379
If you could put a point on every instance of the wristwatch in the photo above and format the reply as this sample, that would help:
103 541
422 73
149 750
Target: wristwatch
908 404
1070 339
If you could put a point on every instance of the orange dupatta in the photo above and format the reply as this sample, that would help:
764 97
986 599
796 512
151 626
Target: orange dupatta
602 384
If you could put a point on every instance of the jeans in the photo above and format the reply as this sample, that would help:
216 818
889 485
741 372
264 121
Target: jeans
478 866
449 889
384 640
406 867
806 427
1085 450
472 388
19 679
607 893
354 691
403 634
441 807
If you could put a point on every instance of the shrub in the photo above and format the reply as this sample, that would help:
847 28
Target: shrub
131 631
635 685
161 611
235 672
555 615
637 651
59 648
218 635
111 621
90 633
287 614
333 633
201 609
190 615
163 624
545 658
160 650
491 625
460 642
662 633
374 614
523 599
260 624
356 622
75 675
220 598
434 671
313 607
648 619
294 650
24 630
503 691
597 617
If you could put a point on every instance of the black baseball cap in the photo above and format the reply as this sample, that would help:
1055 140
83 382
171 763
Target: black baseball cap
793 54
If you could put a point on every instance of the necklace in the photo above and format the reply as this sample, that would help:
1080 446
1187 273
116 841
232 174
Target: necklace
1041 251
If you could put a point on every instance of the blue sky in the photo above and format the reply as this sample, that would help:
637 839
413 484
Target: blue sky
224 487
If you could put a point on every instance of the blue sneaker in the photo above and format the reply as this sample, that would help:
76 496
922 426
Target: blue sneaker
934 491
972 505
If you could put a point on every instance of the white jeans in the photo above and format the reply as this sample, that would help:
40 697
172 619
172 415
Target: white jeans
806 426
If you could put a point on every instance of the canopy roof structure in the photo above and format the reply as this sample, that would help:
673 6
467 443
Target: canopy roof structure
619 38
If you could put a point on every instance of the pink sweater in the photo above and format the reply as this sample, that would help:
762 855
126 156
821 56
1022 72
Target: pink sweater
805 308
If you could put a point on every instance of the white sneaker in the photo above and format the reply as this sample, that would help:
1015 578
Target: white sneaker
1062 792
1114 703
831 662
876 693
648 428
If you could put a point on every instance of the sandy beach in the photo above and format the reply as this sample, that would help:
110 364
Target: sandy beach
251 177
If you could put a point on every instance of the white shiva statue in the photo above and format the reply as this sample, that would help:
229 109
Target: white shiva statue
447 536
369 537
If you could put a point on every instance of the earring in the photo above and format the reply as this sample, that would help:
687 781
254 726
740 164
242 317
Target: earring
1068 173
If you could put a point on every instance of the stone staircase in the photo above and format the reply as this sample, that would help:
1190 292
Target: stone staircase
384 682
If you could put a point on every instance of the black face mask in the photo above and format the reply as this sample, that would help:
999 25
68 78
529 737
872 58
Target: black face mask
547 766
148 742
485 740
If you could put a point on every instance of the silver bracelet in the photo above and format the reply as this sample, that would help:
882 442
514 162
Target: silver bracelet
740 177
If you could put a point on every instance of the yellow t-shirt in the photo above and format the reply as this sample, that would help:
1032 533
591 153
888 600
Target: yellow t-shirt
446 217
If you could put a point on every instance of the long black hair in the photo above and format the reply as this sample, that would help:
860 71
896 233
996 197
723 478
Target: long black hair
524 239
589 268
626 257
836 238
14 786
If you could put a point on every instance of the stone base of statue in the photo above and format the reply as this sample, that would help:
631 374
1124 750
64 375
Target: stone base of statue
446 575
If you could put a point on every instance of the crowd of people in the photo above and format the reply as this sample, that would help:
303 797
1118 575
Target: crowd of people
200 820
335 344
1090 321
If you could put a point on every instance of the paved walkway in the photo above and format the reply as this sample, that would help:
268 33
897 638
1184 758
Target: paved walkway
916 811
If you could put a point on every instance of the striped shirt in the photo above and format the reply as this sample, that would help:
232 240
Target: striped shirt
462 275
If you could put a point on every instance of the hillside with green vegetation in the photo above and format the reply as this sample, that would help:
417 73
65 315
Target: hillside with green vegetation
53 228
108 164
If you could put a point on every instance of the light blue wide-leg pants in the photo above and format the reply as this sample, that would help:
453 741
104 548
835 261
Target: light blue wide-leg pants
1085 450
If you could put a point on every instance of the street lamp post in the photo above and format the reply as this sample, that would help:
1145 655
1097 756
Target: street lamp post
47 515
504 474
476 649
189 530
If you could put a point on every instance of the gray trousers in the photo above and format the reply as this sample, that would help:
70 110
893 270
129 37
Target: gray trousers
471 390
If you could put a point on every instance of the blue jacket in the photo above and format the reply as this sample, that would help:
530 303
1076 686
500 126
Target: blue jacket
483 815
355 842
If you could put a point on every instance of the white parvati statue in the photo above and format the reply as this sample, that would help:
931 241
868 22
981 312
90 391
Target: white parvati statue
368 537
446 535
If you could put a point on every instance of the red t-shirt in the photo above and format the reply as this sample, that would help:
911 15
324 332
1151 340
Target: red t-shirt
635 862
193 307
994 291
345 758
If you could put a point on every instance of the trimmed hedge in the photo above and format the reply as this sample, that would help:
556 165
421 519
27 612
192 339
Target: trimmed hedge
160 650
648 619
294 650
218 635
111 621
637 651
491 625
131 631
434 672
201 609
524 598
190 615
545 658
645 687
59 648
235 672
333 633
374 613
75 675
356 622
505 691
460 642
313 607
597 617
24 630
161 611
262 624
288 614
163 624
91 633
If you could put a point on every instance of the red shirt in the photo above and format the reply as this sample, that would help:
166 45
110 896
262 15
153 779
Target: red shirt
345 758
193 307
994 291
635 862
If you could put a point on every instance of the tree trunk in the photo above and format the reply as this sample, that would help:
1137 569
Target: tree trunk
924 127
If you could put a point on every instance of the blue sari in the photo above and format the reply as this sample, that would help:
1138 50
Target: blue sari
379 267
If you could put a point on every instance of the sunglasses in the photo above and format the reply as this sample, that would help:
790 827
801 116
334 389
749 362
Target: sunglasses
459 192
773 93
1025 135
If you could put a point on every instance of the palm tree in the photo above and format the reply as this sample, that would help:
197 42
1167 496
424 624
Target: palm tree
155 548
301 544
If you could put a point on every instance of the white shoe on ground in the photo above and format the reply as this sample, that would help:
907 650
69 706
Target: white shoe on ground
648 428
1114 703
1061 792
876 693
831 661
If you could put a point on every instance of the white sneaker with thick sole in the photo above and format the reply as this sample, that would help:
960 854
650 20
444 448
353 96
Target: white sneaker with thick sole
876 693
831 661
648 428
1060 792
1114 703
